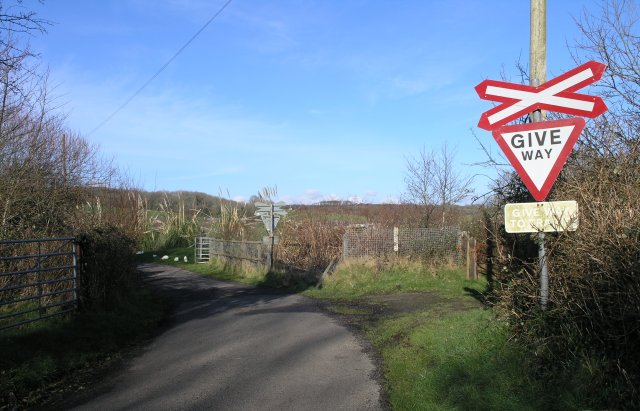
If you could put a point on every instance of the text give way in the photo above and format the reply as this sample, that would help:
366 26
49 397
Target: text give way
535 217
538 151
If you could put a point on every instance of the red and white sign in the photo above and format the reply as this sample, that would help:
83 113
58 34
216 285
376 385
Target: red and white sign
538 151
554 95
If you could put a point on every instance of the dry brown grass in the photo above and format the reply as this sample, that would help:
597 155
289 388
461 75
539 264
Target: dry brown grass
308 244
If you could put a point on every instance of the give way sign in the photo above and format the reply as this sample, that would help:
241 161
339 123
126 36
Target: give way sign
558 95
538 151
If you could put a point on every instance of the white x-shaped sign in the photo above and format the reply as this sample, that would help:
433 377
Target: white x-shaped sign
555 95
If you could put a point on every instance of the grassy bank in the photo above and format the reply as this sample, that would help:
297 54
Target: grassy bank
41 363
243 273
460 361
360 278
351 280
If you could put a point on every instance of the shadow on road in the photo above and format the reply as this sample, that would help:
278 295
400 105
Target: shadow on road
234 347
194 296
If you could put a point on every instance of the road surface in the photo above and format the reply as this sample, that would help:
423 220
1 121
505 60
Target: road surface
238 347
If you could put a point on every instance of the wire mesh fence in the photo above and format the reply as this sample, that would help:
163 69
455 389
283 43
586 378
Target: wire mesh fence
418 243
425 244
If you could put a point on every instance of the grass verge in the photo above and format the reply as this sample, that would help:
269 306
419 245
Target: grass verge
459 361
41 363
359 278
244 272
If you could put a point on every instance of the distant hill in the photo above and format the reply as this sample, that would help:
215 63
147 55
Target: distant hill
381 214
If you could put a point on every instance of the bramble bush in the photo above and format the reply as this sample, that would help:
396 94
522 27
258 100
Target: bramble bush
108 273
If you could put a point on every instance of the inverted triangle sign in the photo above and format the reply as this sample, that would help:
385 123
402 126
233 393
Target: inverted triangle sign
538 151
267 222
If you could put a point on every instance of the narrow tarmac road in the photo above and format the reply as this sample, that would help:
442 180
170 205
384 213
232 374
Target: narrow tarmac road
238 347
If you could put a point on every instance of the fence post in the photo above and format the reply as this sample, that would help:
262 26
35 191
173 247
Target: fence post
74 252
472 268
270 256
396 240
345 247
42 311
464 247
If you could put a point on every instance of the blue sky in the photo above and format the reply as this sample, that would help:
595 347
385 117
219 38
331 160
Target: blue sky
323 99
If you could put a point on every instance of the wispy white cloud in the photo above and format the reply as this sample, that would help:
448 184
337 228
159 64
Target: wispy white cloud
227 171
391 200
271 32
312 196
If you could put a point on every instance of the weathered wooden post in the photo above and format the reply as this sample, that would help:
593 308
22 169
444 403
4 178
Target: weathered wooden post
464 248
472 266
396 240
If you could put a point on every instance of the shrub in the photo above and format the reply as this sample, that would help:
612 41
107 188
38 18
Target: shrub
309 244
107 267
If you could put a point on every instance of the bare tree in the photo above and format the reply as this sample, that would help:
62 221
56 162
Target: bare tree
45 169
433 182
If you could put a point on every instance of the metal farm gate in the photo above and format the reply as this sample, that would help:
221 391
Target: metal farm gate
202 249
38 279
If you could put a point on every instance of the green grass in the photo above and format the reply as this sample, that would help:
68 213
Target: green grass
215 268
358 279
350 281
246 272
18 307
457 361
57 351
343 309
179 252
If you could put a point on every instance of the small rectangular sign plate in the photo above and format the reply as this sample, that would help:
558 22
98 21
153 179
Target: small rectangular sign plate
550 216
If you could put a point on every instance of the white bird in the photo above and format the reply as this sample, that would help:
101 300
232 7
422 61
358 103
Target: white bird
165 257
176 259
186 260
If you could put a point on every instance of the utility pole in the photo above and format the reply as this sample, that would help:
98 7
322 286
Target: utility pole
537 76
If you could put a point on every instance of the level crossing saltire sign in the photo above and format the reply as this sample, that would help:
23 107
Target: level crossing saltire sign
558 94
539 150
